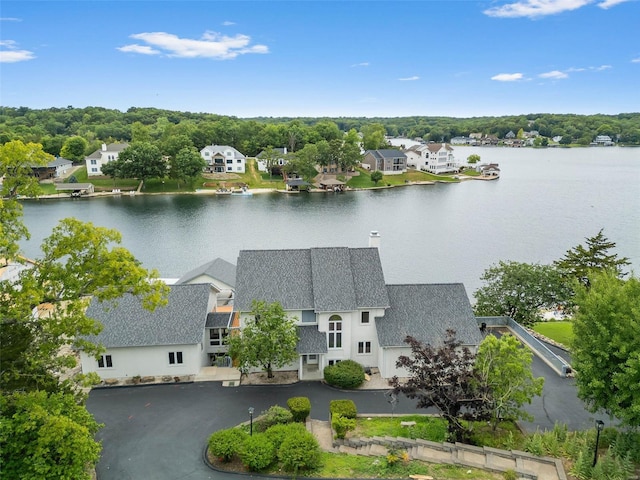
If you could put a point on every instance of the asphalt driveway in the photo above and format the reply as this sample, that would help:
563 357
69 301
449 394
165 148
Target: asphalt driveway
159 431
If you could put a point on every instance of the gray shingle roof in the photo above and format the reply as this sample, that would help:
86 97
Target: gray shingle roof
127 324
311 341
111 147
218 320
323 279
426 311
217 269
386 153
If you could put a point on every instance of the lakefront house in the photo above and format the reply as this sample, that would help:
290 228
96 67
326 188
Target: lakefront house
107 153
343 307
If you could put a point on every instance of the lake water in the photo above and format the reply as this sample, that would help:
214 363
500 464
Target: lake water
545 202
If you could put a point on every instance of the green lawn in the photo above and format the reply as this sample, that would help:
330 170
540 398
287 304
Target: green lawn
561 332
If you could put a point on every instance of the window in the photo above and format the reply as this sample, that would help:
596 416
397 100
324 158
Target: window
105 361
335 332
308 316
93 162
364 318
229 160
333 362
94 169
175 358
364 347
239 160
217 336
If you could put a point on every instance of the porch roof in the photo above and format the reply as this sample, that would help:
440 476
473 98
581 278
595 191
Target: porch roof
310 340
218 320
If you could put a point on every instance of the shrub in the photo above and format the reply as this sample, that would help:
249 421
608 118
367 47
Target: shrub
510 475
274 416
300 408
344 374
341 425
278 433
258 452
345 408
299 451
224 444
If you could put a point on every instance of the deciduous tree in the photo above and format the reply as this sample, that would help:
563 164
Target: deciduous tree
187 165
520 291
268 340
74 149
606 346
442 377
142 160
473 158
503 367
376 176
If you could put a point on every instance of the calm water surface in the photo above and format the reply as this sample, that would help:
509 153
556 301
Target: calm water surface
545 202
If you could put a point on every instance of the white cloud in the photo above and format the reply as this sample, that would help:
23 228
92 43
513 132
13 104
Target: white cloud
536 8
601 68
228 23
142 49
574 69
409 79
507 77
211 45
361 64
10 19
9 52
606 4
554 74
635 60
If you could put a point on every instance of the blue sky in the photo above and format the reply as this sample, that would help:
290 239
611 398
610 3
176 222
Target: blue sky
324 58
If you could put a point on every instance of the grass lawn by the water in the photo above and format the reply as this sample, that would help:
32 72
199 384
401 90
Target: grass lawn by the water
561 332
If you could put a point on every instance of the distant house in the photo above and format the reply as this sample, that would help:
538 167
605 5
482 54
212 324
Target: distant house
280 159
388 161
171 341
106 154
510 134
463 141
490 140
54 169
603 140
433 158
223 159
488 170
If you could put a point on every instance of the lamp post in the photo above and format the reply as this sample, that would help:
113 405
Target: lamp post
599 427
251 421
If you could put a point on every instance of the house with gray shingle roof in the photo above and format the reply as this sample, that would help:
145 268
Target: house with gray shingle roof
218 272
107 153
170 341
344 308
388 161
432 157
223 159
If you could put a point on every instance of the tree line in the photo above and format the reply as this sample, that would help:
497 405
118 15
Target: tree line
53 127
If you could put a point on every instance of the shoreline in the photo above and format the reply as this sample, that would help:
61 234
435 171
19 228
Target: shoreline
254 191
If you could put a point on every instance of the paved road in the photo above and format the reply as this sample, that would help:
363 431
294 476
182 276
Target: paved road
159 431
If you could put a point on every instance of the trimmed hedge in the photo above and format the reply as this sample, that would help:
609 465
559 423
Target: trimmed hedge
225 444
300 451
278 433
341 425
344 374
300 408
344 408
258 452
274 416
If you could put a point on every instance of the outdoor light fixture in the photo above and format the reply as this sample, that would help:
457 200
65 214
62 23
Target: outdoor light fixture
251 421
599 428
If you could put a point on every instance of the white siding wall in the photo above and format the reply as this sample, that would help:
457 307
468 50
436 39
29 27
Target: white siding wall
147 361
388 359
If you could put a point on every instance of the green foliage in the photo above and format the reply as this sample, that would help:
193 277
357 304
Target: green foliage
426 427
503 368
142 160
74 149
341 425
46 435
224 444
274 416
580 262
277 433
473 158
300 408
376 176
606 349
520 290
299 451
258 452
345 408
627 443
187 165
561 332
510 475
268 340
344 374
